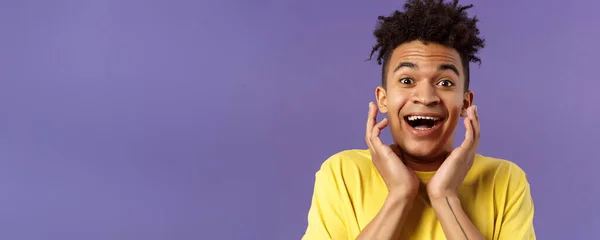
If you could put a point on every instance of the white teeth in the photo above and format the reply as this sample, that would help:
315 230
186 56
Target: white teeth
413 118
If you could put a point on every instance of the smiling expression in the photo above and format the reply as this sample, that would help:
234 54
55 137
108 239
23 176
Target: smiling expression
424 96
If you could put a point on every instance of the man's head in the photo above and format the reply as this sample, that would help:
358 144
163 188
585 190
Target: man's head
425 53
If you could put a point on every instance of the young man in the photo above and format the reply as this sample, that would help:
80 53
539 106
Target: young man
419 187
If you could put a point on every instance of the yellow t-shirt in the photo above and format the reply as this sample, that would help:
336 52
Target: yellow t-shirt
349 192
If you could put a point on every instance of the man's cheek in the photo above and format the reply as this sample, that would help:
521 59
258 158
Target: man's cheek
399 103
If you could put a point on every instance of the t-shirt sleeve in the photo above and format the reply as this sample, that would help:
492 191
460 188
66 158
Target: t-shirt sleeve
325 217
517 222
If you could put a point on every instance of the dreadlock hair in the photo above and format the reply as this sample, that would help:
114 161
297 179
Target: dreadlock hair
429 21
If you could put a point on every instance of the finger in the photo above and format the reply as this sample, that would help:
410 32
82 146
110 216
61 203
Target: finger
371 120
468 142
476 127
375 139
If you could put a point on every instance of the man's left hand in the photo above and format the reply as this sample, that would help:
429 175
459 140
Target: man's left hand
452 172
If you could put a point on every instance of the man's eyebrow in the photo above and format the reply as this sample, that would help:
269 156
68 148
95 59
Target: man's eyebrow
442 67
405 64
447 66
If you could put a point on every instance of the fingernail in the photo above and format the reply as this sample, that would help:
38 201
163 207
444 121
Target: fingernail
370 105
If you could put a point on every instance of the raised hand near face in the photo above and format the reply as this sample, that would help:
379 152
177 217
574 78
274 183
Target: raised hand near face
452 172
400 181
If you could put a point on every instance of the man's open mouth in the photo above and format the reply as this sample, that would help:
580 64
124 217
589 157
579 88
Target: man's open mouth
423 122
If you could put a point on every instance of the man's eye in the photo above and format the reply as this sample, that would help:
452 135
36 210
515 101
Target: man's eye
406 81
446 83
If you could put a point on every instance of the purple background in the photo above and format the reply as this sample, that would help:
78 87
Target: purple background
128 119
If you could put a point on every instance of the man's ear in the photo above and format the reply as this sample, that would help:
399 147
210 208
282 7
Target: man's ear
381 96
467 102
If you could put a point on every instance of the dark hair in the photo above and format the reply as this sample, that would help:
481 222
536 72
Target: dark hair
429 21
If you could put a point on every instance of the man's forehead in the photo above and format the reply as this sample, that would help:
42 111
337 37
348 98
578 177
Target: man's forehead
426 52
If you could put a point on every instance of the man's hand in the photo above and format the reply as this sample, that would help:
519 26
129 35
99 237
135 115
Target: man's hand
400 181
443 186
452 172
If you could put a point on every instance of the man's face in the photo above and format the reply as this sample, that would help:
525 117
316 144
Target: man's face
424 98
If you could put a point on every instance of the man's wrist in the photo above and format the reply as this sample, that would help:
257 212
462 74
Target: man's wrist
397 196
397 200
441 194
445 199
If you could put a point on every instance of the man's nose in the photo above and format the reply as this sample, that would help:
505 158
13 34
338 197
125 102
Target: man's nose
426 95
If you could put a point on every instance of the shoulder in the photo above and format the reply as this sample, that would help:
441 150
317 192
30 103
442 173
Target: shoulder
501 170
348 162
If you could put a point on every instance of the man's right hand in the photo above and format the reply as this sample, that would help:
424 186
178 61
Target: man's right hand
401 182
399 179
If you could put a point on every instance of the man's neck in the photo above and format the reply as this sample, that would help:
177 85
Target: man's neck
429 164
